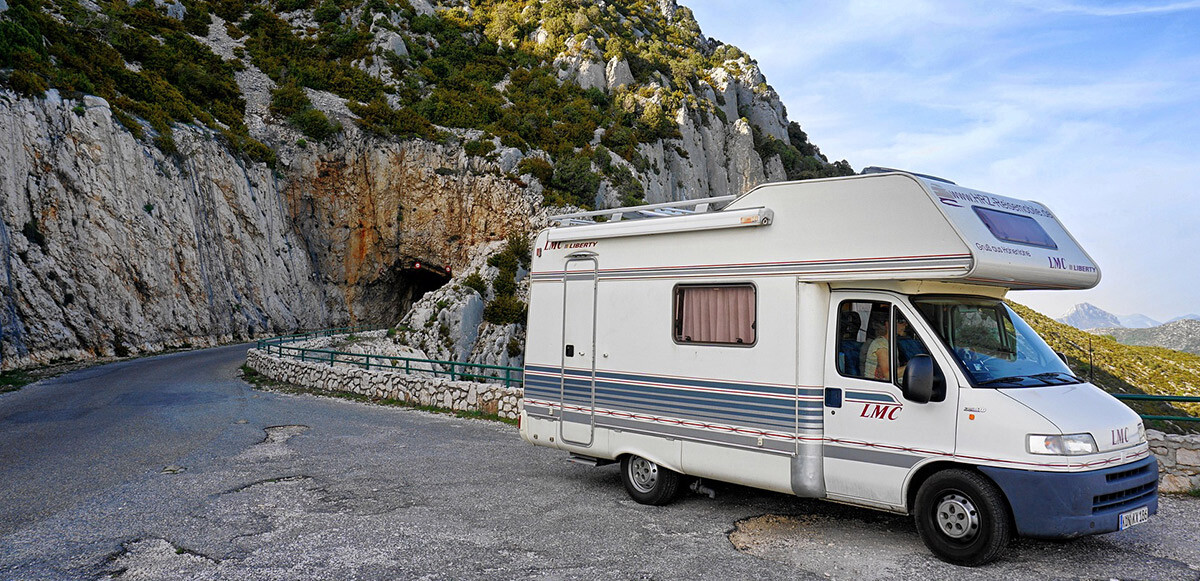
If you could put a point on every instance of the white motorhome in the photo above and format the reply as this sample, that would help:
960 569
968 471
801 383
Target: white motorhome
844 339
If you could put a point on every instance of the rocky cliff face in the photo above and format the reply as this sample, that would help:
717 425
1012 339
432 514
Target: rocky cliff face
111 246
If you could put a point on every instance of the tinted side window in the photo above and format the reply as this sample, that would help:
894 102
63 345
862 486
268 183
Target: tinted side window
716 314
863 347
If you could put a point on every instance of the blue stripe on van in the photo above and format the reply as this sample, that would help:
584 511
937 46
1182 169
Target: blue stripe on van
683 382
580 387
870 396
617 391
574 386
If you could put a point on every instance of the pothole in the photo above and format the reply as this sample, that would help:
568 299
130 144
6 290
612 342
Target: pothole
844 548
274 445
276 480
281 434
154 558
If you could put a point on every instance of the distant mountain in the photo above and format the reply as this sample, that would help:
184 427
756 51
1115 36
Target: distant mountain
1193 317
1137 321
1181 335
1089 316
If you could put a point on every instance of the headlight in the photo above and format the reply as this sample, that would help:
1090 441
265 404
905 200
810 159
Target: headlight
1065 445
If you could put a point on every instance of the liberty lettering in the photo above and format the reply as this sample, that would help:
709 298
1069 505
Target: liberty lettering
879 412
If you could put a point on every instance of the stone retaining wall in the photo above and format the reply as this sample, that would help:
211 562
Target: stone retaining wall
417 388
1178 456
1178 460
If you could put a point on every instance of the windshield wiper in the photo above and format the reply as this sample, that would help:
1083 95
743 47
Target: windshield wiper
1047 374
1009 379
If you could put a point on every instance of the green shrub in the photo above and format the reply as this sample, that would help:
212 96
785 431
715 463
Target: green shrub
574 176
327 12
290 5
475 282
289 99
504 284
504 310
28 84
378 117
314 124
479 147
540 168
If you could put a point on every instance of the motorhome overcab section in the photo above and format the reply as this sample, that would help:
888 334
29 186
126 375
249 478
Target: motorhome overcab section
843 339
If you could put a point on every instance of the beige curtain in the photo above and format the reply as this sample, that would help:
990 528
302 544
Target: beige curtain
718 314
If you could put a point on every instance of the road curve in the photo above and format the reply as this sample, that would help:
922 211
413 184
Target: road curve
170 467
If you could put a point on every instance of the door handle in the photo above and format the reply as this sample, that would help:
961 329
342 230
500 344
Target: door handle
570 350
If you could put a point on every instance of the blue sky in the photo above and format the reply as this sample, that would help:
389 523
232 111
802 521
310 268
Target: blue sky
1090 108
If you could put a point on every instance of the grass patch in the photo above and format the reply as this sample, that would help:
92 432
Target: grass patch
1195 493
260 381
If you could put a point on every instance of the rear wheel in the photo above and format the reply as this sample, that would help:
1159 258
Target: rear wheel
647 482
962 517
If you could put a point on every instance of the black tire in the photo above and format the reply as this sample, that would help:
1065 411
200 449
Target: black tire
962 517
647 482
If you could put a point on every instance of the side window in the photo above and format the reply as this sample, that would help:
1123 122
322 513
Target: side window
863 347
908 344
716 314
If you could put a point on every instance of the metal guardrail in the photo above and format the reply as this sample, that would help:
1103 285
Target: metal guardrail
1166 398
456 370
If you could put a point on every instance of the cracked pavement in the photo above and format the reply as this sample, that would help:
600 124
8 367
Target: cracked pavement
171 467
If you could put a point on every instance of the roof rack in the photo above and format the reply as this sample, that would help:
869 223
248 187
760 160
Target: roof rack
664 210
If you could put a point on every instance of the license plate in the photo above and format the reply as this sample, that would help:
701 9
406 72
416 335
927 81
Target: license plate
1135 517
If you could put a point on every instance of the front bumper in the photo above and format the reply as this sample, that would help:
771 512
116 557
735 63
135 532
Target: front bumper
1072 504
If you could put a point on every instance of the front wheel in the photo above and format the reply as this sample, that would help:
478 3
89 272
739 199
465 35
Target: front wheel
962 517
647 482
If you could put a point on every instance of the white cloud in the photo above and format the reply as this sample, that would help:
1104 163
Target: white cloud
1113 9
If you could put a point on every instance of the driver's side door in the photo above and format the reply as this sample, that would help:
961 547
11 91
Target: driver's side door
874 435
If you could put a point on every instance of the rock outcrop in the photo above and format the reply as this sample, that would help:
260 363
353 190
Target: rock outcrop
110 246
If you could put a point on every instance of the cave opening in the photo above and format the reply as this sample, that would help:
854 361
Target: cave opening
385 300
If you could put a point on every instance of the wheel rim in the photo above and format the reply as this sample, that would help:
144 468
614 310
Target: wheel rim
957 517
643 474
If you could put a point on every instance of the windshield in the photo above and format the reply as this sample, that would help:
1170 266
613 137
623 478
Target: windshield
992 344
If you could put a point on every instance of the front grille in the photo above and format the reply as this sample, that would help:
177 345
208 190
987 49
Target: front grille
1115 476
1122 498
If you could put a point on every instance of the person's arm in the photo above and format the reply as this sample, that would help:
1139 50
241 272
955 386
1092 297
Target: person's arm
882 370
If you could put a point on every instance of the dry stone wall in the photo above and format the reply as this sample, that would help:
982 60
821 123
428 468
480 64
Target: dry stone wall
419 388
1178 460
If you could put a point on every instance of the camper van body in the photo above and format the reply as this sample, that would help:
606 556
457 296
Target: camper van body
779 399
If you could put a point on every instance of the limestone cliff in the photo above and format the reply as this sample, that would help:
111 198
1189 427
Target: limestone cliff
251 193
111 247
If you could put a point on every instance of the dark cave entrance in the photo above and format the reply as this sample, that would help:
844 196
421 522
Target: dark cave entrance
388 298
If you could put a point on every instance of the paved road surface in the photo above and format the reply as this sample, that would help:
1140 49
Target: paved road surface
172 468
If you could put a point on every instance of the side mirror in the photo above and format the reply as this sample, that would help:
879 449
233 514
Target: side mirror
1061 355
918 379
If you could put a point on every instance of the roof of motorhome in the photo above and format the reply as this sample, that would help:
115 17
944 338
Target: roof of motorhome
879 226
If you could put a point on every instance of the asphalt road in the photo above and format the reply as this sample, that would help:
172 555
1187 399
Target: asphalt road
171 467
